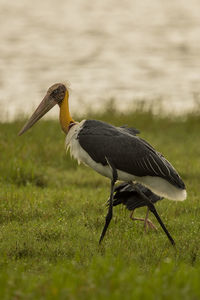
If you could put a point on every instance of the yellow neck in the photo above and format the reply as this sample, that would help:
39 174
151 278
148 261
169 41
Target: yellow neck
65 117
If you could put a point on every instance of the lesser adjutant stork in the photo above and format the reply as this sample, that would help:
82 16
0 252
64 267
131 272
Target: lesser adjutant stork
114 152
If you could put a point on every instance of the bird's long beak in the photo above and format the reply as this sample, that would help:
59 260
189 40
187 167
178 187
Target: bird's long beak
46 104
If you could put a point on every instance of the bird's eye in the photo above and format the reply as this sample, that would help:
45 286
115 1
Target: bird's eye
54 93
58 94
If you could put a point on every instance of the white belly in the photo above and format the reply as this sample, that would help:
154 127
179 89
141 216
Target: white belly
156 184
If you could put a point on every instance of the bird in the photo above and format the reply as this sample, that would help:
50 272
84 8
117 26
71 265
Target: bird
114 152
126 194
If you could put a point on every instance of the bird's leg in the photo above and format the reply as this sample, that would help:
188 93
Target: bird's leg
146 220
110 211
110 207
135 219
153 210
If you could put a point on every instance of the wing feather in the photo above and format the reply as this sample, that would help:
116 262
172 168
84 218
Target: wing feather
128 152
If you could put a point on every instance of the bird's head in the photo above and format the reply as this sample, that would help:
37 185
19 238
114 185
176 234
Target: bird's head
57 92
55 95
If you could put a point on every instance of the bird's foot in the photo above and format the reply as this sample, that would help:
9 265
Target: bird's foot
147 223
150 225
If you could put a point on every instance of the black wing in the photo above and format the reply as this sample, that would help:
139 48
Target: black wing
127 195
127 152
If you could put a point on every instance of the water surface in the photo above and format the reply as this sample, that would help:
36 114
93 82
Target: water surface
127 50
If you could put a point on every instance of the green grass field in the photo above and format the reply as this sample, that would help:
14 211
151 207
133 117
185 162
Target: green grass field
52 212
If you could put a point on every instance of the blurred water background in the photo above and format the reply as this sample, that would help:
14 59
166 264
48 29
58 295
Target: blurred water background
128 50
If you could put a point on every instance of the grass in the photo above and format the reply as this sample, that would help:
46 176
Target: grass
52 213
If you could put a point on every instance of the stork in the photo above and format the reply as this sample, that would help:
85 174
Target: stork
127 194
114 152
